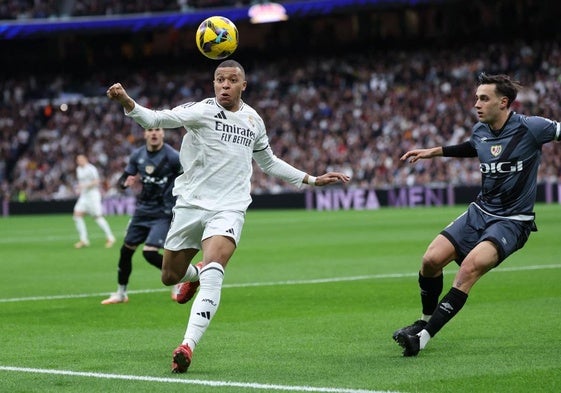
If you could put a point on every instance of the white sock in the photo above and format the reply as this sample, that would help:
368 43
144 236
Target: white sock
425 317
81 227
121 289
104 225
192 274
424 338
205 303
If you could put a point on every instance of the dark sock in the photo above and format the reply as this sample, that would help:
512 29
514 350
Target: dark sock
154 258
125 265
449 306
431 288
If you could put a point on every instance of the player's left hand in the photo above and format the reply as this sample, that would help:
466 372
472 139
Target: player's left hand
332 177
130 181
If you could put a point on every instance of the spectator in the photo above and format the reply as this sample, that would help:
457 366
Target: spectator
385 105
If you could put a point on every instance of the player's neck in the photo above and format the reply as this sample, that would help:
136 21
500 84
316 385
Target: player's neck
498 124
154 149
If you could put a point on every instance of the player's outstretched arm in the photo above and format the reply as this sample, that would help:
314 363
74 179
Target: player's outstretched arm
327 178
416 154
118 93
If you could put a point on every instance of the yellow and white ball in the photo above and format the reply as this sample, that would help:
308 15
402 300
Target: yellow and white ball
217 37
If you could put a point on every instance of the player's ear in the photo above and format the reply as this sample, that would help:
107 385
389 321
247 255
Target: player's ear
504 102
244 85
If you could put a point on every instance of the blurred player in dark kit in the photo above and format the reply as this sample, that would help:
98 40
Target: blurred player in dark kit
155 166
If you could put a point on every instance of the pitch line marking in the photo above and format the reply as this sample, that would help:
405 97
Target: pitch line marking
286 388
275 283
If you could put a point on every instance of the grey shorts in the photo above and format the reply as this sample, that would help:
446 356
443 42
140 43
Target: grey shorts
147 230
475 226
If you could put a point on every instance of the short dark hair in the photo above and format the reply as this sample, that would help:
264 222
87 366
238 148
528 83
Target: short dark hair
231 63
503 85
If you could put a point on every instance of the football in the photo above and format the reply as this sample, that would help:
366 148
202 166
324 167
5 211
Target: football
217 37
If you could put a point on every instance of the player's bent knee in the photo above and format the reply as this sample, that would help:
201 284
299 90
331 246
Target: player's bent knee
431 264
169 278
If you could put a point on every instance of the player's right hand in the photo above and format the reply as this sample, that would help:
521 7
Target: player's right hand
116 92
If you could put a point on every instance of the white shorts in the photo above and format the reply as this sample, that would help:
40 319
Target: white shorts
191 225
90 204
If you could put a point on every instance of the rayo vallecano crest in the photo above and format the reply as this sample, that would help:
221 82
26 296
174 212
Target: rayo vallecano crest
496 150
150 168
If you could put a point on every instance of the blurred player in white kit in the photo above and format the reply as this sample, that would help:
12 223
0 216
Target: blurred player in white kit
89 202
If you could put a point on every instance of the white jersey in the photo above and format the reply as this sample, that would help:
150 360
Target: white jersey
216 152
88 180
89 200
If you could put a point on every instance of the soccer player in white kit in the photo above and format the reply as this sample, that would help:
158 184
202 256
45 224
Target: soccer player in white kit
89 202
223 135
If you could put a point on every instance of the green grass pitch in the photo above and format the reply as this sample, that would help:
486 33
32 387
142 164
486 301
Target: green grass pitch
309 303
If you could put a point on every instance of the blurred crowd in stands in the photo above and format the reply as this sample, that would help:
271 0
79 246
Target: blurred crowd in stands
49 9
356 113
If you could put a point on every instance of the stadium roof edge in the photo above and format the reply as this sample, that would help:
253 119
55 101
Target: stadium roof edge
32 28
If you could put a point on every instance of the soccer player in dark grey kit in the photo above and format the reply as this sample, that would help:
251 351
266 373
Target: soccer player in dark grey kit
499 222
157 165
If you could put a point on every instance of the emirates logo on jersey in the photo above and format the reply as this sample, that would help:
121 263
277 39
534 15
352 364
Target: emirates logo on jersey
496 150
149 169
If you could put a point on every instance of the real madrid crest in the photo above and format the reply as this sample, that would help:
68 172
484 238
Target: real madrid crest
496 150
150 168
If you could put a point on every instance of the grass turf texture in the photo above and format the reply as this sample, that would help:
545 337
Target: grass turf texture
309 304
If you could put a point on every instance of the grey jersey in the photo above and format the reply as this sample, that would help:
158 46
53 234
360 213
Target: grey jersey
157 171
509 161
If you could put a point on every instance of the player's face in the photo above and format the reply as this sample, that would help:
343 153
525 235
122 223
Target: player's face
229 82
489 106
81 160
154 138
